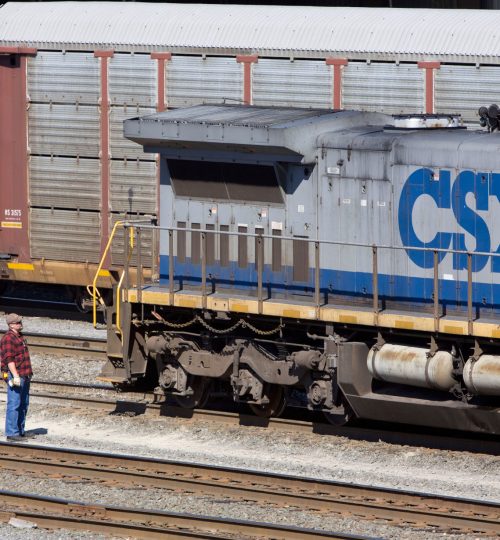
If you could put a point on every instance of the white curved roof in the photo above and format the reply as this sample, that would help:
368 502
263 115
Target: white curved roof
300 31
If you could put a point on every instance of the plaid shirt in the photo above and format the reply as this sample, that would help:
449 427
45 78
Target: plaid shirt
13 348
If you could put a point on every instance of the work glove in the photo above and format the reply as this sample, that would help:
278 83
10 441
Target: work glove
16 381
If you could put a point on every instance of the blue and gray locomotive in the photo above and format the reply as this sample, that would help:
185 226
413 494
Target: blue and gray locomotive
343 260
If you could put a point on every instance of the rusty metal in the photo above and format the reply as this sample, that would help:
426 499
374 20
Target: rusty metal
139 523
94 347
270 489
146 403
482 375
414 366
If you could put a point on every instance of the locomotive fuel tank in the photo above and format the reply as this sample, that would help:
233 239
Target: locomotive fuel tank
482 375
414 366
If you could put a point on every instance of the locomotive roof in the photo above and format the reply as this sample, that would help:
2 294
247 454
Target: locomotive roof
386 34
271 133
476 149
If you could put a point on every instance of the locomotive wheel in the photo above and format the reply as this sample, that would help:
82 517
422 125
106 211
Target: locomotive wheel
199 397
341 415
276 405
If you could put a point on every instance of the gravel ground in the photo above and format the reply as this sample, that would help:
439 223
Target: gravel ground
336 458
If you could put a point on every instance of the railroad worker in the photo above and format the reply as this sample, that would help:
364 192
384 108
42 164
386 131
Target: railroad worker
17 371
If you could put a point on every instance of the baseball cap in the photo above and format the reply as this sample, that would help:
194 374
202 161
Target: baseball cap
13 318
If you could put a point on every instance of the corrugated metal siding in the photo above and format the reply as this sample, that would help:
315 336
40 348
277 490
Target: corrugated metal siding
300 83
65 130
388 88
63 78
133 186
65 182
139 68
378 33
463 89
119 146
65 235
118 245
192 80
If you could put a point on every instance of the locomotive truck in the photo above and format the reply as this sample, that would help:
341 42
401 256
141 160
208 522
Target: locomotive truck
346 261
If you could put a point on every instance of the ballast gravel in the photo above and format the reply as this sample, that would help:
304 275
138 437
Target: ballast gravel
459 474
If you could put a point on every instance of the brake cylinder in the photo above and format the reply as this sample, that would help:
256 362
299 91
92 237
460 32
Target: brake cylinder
413 366
482 375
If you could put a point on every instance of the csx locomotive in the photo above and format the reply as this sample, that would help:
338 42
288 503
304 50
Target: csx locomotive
343 260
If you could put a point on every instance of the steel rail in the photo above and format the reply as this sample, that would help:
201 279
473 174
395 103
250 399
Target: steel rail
396 506
64 344
142 403
140 523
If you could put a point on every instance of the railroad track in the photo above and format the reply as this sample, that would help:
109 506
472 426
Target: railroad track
94 348
52 513
143 403
440 513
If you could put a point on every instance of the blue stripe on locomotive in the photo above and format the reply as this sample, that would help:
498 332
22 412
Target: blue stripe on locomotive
349 286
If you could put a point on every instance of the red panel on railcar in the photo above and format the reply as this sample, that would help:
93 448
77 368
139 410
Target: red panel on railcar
14 219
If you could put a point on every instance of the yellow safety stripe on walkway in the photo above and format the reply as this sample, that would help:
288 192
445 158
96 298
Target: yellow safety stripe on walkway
288 310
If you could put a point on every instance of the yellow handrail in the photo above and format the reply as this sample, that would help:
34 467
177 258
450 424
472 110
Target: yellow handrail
95 292
118 306
118 323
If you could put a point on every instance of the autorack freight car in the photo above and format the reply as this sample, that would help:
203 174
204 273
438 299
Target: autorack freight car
71 72
345 259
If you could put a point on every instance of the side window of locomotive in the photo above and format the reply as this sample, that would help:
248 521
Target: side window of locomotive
225 181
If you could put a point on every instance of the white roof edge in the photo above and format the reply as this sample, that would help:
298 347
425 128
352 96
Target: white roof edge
382 34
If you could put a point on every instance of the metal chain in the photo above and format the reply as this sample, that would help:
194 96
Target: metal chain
241 322
216 330
262 332
179 325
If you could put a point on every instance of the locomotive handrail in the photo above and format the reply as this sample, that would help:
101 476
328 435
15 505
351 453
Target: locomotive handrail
319 240
95 292
99 268
259 264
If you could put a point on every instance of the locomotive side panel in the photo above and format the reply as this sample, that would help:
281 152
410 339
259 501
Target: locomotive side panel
367 325
459 191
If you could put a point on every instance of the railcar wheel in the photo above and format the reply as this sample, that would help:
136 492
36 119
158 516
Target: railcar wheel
276 405
341 415
199 397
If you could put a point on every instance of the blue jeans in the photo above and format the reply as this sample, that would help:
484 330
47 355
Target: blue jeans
18 398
